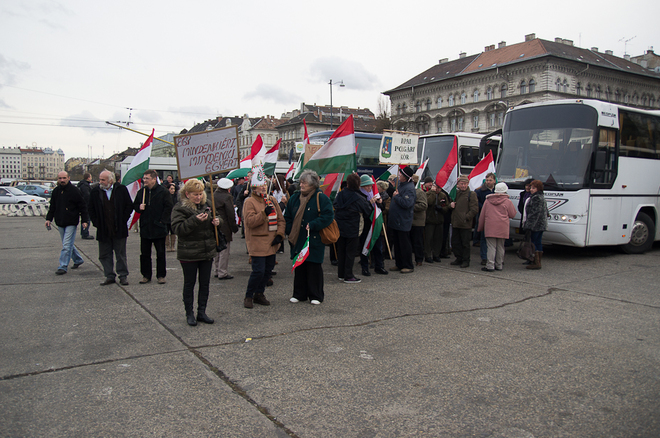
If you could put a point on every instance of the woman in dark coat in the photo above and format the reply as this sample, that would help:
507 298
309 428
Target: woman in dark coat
305 215
192 222
350 205
535 219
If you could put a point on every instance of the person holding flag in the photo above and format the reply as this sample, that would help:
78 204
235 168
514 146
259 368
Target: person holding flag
264 231
371 239
400 220
308 211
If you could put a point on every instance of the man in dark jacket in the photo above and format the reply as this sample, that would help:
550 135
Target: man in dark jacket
400 219
154 204
85 187
464 210
67 207
110 208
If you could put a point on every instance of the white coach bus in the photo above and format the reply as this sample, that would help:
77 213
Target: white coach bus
600 166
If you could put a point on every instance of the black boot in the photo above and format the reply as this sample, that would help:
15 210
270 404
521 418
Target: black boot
190 317
202 317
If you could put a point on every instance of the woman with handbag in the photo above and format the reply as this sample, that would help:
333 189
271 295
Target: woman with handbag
535 219
308 211
192 222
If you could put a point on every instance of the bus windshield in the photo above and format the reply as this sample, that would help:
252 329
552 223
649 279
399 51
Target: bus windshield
551 143
437 150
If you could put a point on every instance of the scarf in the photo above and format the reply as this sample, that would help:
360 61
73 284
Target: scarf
297 220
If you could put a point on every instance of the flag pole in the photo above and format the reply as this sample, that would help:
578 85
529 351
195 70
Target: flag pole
138 132
383 231
217 240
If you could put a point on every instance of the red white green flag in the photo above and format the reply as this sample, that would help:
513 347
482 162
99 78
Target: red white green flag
483 168
302 255
420 172
133 177
393 170
270 159
376 226
338 154
289 173
447 177
331 184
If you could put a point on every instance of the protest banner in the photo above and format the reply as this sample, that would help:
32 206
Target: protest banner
208 152
398 147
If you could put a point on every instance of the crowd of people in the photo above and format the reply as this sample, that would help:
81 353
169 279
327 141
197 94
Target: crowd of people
270 212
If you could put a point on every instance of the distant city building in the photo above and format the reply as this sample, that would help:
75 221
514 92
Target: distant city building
41 163
10 159
160 148
250 128
317 119
472 93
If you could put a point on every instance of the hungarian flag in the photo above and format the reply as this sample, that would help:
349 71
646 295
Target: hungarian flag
302 255
256 148
480 171
289 173
331 184
448 174
133 177
393 170
338 154
420 172
301 158
376 225
270 159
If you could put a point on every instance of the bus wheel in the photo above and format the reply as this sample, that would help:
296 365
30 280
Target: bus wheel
641 235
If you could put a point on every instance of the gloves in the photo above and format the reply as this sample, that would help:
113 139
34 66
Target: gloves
268 210
277 240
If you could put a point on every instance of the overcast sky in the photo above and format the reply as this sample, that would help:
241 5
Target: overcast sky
67 66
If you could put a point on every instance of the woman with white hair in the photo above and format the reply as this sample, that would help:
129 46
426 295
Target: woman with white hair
494 222
308 211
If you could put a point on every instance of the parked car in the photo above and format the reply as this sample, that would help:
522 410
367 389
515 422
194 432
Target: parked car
11 195
36 190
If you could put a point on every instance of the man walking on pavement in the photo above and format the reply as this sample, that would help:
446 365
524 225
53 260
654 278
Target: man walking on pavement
85 187
67 208
154 204
110 208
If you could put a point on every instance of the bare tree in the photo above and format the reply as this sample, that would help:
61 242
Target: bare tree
383 120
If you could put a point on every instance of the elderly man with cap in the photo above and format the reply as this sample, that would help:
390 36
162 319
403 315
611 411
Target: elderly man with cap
419 222
376 252
224 206
464 209
437 206
400 220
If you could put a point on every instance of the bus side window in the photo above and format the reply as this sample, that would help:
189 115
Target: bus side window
604 170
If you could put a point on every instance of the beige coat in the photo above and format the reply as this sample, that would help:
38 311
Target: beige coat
257 237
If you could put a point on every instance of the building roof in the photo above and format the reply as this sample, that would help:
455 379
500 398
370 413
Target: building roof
521 52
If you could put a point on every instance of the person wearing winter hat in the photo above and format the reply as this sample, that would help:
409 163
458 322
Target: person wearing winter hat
494 222
464 209
400 220
224 205
418 223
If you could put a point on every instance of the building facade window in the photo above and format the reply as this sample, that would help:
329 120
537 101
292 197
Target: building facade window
532 85
463 98
418 106
558 85
476 96
439 102
428 104
475 121
403 108
460 123
565 86
489 93
597 91
651 101
608 94
438 125
398 109
503 91
617 96
578 89
451 100
589 90
453 125
491 120
523 87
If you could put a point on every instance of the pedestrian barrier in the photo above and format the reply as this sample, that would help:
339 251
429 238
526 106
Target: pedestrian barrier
23 210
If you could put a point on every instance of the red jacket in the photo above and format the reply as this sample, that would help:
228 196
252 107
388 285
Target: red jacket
495 214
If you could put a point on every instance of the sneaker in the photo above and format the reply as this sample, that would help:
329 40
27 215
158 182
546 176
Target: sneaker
60 272
351 280
294 300
315 302
145 280
161 280
407 271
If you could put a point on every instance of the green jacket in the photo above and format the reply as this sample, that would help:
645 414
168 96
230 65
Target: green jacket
435 213
467 207
419 210
316 219
196 238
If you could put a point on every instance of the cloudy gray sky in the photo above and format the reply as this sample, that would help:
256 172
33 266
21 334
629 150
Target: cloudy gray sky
67 66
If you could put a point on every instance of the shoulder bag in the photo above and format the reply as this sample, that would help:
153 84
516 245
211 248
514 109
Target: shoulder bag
329 234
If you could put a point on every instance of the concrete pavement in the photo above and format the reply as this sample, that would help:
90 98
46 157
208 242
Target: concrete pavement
572 350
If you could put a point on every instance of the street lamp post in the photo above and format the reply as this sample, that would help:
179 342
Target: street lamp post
341 84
